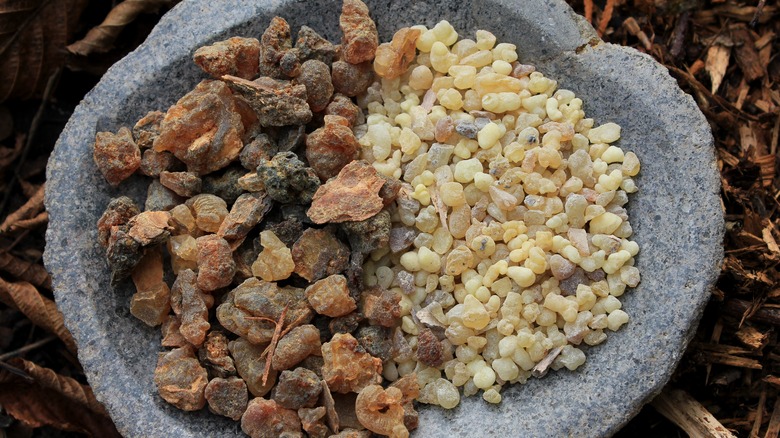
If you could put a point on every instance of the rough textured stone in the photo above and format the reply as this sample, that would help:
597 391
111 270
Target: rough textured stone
676 213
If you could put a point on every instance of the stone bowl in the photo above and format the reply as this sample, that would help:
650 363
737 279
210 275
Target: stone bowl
676 215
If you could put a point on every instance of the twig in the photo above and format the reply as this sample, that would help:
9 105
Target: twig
606 16
589 11
33 206
16 371
759 413
541 368
679 34
30 224
687 413
26 348
272 345
774 421
757 15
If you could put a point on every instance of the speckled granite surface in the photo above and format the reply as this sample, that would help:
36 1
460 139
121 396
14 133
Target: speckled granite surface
676 215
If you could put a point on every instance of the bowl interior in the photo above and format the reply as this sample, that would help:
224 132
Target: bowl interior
676 214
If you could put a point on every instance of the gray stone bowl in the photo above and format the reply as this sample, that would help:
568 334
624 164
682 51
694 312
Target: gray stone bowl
676 215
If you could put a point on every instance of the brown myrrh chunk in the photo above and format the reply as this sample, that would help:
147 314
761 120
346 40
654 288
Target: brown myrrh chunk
266 419
209 211
257 151
331 147
255 298
347 366
343 106
224 184
171 337
118 212
235 56
351 196
116 155
275 262
123 253
147 129
275 44
227 397
287 179
248 210
330 296
203 129
153 162
393 58
429 348
151 302
300 343
288 231
185 184
312 421
344 405
194 310
276 102
311 45
315 76
150 227
350 79
180 379
250 364
216 266
345 324
215 356
352 433
297 389
382 307
376 340
318 253
369 234
360 35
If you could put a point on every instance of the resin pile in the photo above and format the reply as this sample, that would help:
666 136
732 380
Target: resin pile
354 229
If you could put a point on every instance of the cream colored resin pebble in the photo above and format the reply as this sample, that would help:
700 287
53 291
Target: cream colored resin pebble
518 201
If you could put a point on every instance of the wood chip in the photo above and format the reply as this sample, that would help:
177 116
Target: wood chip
542 367
687 413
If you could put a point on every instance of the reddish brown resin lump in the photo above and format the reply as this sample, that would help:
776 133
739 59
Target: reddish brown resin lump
343 106
203 129
216 266
235 56
350 79
208 210
382 307
360 35
352 196
116 155
312 420
247 211
194 310
118 212
266 419
150 227
297 389
330 296
330 148
180 379
347 366
276 102
250 364
318 253
315 76
393 58
215 355
227 397
300 343
380 411
311 45
151 302
153 162
147 129
182 183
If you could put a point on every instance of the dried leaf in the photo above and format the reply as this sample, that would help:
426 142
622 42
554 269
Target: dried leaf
26 271
32 36
32 207
41 310
100 39
52 399
717 62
